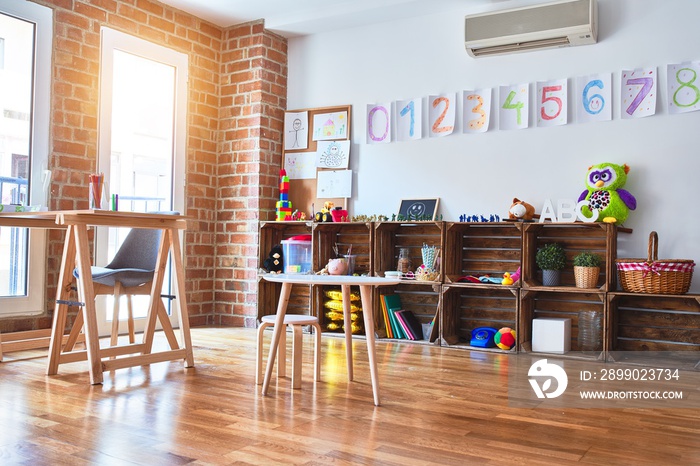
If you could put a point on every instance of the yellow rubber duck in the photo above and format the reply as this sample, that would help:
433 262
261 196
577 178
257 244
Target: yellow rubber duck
506 279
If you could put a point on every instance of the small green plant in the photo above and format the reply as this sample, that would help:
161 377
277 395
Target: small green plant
587 259
551 257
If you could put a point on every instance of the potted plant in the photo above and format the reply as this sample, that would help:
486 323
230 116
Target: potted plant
586 269
551 259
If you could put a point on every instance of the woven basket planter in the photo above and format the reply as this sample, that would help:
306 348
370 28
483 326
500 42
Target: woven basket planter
668 276
586 277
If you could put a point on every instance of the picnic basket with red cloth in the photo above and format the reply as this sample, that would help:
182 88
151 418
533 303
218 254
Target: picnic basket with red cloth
671 276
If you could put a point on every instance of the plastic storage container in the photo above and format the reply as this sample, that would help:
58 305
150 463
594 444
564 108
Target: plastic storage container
296 256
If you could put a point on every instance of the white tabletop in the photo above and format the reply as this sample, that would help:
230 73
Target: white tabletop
309 279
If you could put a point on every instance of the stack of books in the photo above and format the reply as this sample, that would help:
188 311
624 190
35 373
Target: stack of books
399 323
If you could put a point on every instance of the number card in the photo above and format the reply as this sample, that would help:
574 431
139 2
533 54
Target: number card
683 92
441 114
552 103
409 118
378 123
638 93
476 107
594 96
514 107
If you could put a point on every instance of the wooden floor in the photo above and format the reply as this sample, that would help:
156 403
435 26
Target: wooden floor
439 406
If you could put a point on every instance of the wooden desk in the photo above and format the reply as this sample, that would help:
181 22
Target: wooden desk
30 339
345 282
76 252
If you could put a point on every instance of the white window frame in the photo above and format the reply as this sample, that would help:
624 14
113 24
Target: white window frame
115 40
34 303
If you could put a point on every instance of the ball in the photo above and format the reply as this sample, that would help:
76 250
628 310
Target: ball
505 338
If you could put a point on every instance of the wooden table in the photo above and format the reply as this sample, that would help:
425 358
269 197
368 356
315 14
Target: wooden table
30 339
76 252
345 282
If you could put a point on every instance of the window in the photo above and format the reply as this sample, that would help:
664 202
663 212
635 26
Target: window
143 101
25 72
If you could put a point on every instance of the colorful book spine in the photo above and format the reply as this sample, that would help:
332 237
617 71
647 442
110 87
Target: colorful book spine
404 326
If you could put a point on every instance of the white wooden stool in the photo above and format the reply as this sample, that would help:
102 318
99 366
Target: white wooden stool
296 322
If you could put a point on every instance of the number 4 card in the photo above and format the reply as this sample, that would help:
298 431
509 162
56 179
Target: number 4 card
514 106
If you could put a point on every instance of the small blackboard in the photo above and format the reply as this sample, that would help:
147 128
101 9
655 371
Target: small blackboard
418 209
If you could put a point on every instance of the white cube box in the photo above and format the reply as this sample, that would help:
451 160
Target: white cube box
551 335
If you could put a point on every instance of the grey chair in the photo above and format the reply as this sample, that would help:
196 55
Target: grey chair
130 273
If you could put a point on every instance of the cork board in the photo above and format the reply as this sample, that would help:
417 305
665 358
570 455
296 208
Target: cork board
298 137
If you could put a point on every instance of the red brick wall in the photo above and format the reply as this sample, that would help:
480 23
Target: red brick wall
236 94
253 99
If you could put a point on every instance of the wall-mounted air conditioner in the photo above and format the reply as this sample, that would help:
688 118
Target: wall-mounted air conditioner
556 24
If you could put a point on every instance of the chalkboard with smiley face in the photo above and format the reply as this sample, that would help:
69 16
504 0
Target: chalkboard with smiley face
418 209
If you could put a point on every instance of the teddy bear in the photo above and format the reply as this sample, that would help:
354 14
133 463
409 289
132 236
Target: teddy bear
273 263
521 210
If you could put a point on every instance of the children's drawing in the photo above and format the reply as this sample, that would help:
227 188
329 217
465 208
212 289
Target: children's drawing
552 103
300 165
328 126
333 154
476 106
683 90
378 123
514 107
296 130
441 114
594 98
409 119
331 184
638 93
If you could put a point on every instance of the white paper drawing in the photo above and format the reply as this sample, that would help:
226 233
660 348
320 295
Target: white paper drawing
378 123
333 154
300 165
476 106
296 130
409 119
594 98
552 103
683 90
638 93
514 106
441 114
328 126
334 184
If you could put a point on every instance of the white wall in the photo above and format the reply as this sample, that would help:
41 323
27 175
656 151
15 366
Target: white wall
481 173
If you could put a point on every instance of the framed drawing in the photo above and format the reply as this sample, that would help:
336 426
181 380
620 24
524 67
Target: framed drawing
418 209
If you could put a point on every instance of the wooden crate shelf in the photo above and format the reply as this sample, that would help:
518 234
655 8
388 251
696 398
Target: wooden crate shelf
481 249
423 299
633 327
466 307
320 310
535 303
599 238
271 234
357 235
390 237
645 326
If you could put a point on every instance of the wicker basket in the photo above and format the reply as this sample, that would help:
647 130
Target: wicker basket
654 276
586 277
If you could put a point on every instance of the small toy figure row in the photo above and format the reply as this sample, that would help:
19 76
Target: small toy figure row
414 218
479 218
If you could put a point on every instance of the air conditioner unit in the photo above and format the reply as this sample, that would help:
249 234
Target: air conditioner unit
556 24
